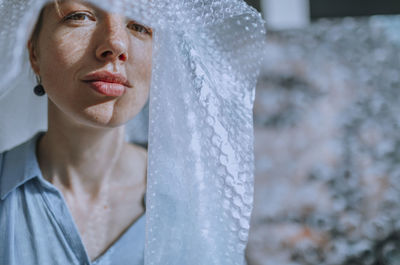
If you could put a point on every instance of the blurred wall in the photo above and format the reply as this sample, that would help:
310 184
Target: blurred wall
344 8
255 3
327 145
283 14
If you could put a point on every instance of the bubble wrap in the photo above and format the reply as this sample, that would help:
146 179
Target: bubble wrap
200 125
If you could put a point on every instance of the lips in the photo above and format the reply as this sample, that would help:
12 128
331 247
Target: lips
107 83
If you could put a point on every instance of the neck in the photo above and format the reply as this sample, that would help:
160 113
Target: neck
77 158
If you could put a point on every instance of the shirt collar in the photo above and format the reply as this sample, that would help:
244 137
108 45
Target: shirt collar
19 165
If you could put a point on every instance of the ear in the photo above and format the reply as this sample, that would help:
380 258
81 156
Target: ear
33 58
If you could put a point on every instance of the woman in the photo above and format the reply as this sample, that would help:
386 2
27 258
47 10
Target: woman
72 194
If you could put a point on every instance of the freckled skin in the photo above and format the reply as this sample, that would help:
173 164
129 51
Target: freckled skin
76 49
84 153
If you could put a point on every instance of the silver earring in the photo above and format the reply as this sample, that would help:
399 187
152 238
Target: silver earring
39 89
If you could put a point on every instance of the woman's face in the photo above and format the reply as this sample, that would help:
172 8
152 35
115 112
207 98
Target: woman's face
95 66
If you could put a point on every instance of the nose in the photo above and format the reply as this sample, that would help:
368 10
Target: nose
113 41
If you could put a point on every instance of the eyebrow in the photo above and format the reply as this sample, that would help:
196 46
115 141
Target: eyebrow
57 4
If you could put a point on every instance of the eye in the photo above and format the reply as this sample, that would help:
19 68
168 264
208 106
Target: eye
79 16
139 28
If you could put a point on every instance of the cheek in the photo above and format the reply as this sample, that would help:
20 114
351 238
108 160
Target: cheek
64 50
139 69
141 63
132 102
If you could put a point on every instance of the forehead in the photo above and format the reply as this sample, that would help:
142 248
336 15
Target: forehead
59 5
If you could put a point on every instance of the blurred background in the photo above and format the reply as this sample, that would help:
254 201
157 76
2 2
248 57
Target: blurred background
327 138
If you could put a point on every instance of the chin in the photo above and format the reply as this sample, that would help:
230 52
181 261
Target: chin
107 116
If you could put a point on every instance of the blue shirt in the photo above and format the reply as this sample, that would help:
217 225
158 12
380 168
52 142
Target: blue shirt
36 227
